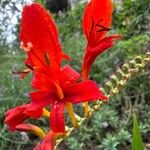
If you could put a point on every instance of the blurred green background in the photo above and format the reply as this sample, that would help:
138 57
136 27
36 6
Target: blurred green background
109 128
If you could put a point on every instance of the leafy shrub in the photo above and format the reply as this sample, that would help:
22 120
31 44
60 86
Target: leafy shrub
69 23
132 17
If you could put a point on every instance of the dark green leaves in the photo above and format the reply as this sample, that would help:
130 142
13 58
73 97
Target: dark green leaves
137 143
42 2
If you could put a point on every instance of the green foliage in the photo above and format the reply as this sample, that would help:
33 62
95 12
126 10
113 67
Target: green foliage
109 143
42 2
75 145
69 23
132 17
123 136
105 130
12 89
137 143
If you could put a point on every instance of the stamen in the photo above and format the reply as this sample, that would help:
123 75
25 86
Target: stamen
92 27
59 91
46 113
69 108
25 71
37 57
86 109
47 59
30 67
102 28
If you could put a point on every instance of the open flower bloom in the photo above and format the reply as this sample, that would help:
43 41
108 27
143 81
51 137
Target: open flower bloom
96 23
55 85
66 90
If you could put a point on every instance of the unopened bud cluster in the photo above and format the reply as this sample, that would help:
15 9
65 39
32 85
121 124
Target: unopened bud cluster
119 79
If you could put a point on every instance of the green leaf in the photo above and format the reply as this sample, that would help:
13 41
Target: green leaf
42 2
137 143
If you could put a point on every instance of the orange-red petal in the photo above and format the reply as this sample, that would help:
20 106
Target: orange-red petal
42 81
83 91
16 116
31 128
97 20
39 36
57 120
49 141
34 111
38 146
92 53
68 76
41 98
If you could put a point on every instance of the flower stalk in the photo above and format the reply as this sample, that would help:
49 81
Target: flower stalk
115 84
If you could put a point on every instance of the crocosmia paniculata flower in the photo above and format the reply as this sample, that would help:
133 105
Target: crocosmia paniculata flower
57 87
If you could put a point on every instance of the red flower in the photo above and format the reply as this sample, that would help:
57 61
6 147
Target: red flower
96 23
56 86
39 38
67 89
16 116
